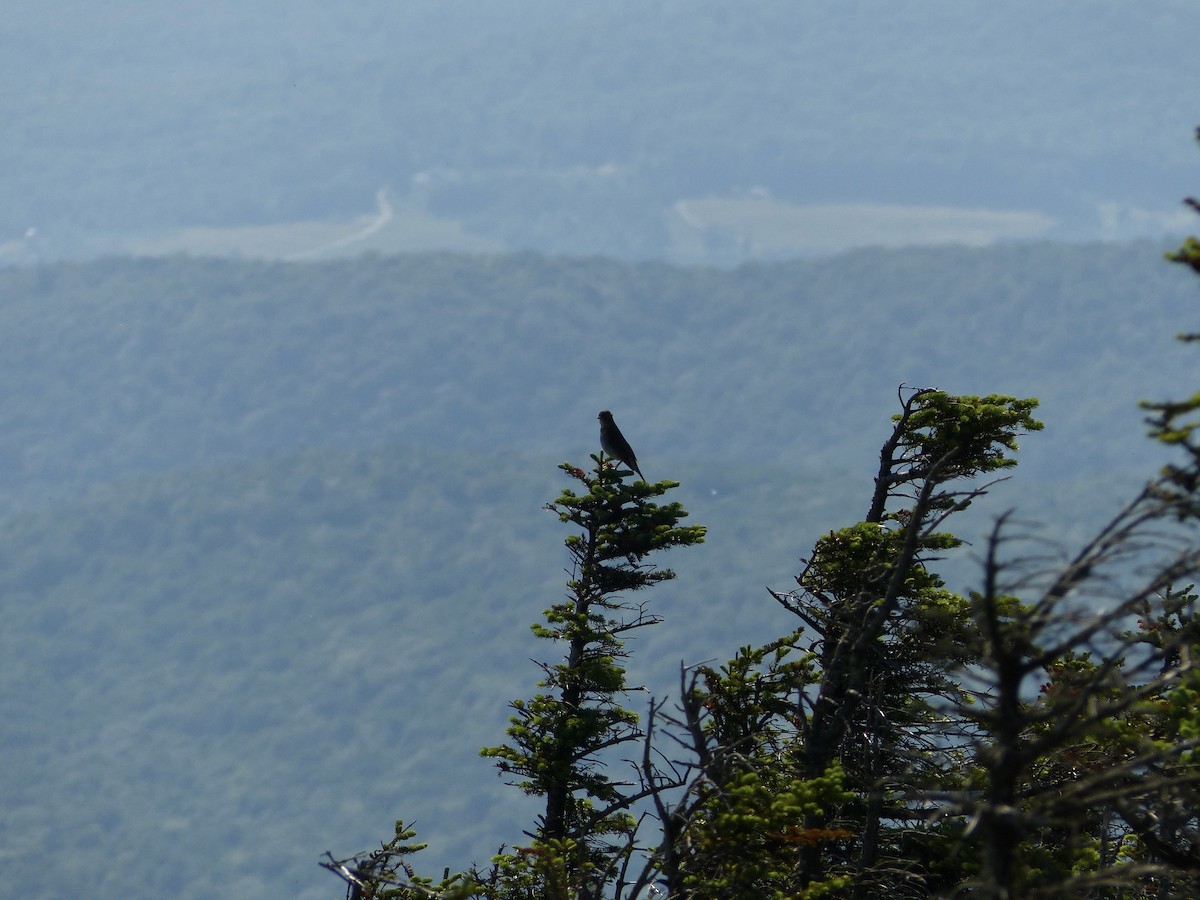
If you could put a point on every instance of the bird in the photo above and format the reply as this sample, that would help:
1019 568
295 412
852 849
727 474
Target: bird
614 443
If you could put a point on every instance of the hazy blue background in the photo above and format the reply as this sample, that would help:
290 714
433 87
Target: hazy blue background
687 130
270 523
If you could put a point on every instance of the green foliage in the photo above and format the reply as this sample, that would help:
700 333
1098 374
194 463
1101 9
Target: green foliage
1174 422
1094 784
619 527
1091 782
737 830
966 436
846 561
386 874
887 633
560 738
743 841
556 869
853 757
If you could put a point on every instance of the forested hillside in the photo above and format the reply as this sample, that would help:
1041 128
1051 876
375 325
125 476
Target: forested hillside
274 535
119 368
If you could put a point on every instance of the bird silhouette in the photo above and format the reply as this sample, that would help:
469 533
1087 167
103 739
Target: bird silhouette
614 443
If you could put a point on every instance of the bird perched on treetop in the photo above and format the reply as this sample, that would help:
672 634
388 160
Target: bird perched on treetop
614 443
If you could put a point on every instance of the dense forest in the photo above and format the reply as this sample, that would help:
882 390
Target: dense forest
273 532
118 368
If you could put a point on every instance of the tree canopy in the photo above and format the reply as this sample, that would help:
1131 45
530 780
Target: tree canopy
1036 736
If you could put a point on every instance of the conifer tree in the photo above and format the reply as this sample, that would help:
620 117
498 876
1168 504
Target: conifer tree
1092 786
838 718
563 742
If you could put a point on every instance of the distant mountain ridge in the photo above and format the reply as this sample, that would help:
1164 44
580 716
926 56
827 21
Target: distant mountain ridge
568 129
118 368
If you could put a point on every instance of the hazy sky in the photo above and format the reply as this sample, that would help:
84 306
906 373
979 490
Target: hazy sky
509 121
